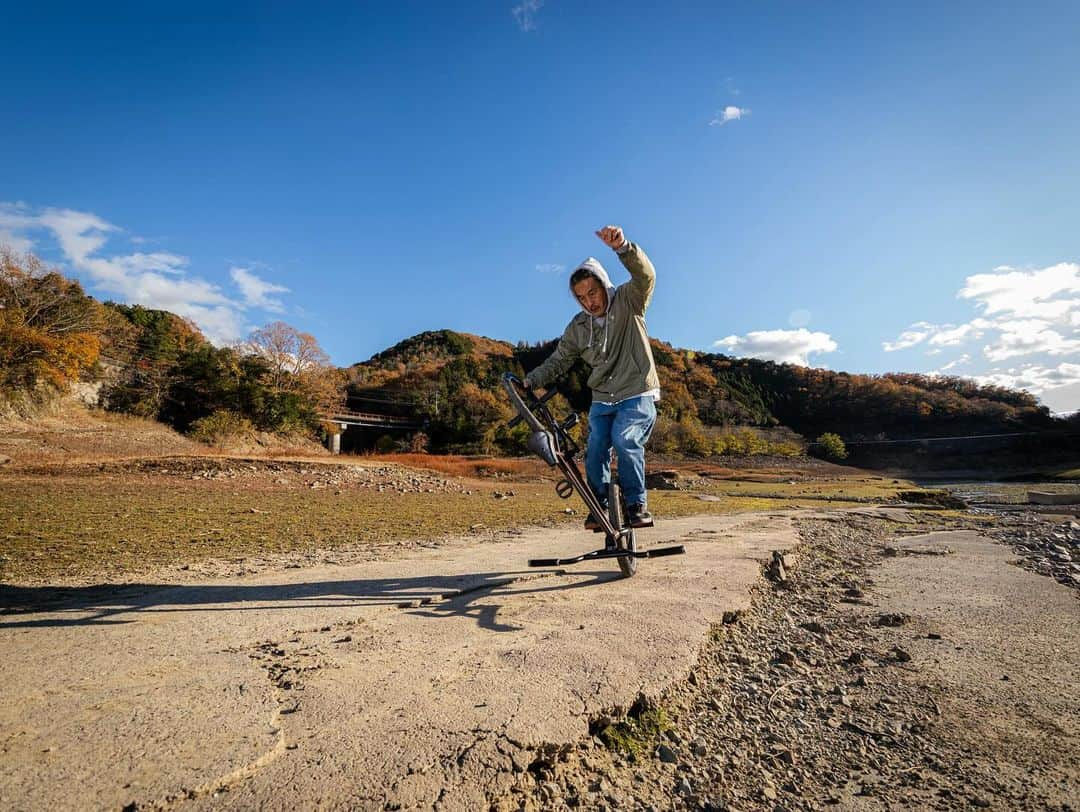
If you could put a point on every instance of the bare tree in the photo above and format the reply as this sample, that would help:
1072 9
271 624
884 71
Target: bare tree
296 363
291 355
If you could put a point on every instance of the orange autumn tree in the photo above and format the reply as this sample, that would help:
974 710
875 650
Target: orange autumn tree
296 364
49 329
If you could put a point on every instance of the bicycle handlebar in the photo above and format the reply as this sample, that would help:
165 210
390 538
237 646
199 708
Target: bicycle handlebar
512 383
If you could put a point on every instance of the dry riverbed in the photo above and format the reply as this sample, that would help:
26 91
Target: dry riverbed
895 665
194 516
896 657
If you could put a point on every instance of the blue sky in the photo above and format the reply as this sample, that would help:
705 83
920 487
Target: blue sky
869 187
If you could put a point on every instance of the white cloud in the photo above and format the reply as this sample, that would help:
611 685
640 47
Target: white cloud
258 292
1028 337
1035 378
963 359
1025 312
15 242
550 267
949 336
13 221
729 113
782 346
1049 293
156 280
525 14
915 334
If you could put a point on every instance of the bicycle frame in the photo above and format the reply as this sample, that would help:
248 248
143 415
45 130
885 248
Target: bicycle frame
552 444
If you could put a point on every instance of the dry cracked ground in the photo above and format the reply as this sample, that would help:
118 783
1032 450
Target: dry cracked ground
852 658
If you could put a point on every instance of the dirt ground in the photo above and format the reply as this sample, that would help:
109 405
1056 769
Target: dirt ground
820 645
896 667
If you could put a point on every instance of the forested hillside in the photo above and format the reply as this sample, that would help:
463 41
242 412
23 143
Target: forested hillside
155 364
453 380
152 363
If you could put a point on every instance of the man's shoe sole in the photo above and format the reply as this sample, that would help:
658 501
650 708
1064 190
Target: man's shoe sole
646 523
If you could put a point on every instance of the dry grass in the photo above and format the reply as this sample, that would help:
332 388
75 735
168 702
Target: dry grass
469 467
116 522
109 525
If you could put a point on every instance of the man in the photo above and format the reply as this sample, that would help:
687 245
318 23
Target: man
610 336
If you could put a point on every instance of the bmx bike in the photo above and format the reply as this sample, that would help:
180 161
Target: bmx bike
551 442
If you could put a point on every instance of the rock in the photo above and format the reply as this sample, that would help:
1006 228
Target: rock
662 481
785 657
900 655
892 619
775 569
666 754
935 498
815 627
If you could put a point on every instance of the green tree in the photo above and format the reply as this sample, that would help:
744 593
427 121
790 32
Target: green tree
831 446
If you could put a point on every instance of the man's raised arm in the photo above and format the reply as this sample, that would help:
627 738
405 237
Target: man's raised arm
642 272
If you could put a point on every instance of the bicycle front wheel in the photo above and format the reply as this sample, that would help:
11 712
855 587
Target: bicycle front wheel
625 540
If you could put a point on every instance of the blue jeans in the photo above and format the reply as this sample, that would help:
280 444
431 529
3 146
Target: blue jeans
625 425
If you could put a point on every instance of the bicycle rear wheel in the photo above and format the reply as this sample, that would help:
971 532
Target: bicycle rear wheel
625 540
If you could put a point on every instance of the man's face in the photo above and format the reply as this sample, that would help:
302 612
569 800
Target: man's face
592 296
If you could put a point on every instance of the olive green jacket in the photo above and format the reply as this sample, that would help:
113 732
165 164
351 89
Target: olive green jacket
617 350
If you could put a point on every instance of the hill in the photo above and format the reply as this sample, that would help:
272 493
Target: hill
152 363
452 380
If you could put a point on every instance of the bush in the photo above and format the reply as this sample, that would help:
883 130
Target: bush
418 443
740 443
221 428
664 438
692 437
831 447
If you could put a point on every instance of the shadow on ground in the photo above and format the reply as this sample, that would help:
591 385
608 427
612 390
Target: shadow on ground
427 596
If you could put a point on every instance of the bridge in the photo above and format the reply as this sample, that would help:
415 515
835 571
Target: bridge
345 418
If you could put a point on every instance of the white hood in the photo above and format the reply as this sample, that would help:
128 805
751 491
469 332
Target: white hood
593 266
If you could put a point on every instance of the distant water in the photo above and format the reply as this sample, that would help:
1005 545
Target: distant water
973 490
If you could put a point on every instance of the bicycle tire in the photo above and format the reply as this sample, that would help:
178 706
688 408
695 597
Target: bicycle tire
625 541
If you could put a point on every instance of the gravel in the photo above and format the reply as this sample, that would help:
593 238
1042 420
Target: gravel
1046 546
799 703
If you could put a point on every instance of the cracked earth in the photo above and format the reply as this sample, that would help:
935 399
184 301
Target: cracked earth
431 680
457 678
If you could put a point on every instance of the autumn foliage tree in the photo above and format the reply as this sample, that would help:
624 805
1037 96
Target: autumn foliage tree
297 370
49 329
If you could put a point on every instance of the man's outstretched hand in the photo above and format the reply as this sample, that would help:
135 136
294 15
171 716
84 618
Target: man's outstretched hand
612 236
